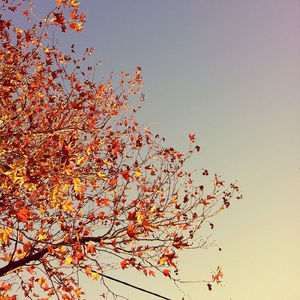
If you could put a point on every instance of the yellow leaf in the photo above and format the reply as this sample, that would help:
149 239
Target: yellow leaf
68 171
138 173
18 30
152 209
74 3
64 187
42 209
4 235
88 150
68 260
78 292
95 276
62 249
30 187
140 218
77 184
102 175
80 161
42 281
68 206
42 235
163 260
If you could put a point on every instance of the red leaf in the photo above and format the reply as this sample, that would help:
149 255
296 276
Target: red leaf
125 175
166 273
130 231
100 88
116 150
124 264
192 137
113 181
91 217
79 256
101 215
105 201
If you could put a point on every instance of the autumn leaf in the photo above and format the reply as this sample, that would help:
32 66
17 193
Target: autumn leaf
80 256
42 235
78 292
88 271
68 206
76 26
131 233
124 264
27 246
116 150
166 273
91 249
23 215
113 181
192 138
69 260
138 173
77 184
218 275
30 270
105 201
74 3
95 276
102 175
5 234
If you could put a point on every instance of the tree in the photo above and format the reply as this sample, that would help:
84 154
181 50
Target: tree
80 179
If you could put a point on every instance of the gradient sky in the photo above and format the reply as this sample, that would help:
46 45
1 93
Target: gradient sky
228 71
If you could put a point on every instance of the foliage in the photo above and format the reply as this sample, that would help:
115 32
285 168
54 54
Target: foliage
84 188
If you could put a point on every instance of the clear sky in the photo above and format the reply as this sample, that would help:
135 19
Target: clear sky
228 71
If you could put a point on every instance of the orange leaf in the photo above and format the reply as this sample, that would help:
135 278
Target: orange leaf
166 273
124 263
91 249
27 246
116 150
30 270
113 181
23 215
101 215
78 292
88 271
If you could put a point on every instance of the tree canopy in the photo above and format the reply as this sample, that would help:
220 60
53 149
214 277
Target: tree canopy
84 188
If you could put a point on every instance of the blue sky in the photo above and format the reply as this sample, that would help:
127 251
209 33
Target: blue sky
227 71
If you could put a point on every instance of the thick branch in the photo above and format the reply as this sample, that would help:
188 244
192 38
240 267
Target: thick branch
22 262
13 265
